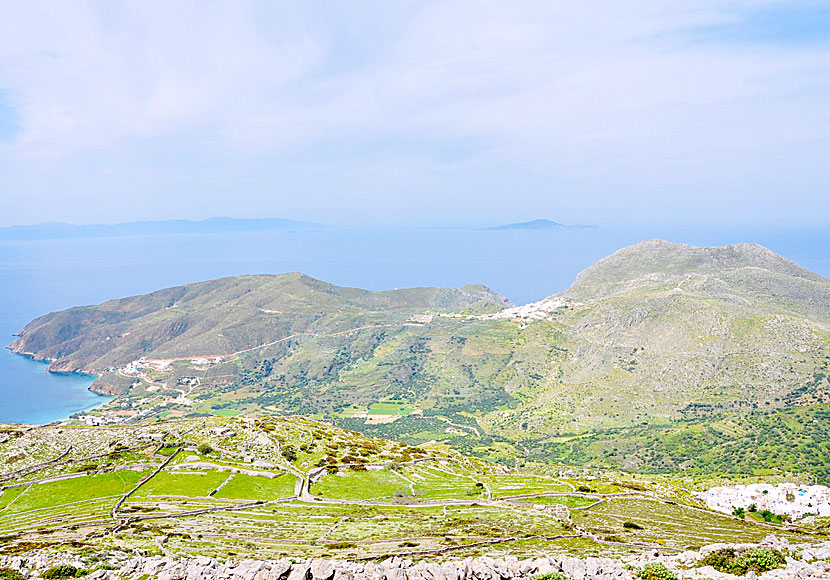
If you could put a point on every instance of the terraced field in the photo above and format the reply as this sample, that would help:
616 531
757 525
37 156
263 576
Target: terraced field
273 487
665 524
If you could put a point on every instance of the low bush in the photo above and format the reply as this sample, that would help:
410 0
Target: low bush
721 560
10 574
63 571
656 571
758 560
632 526
551 576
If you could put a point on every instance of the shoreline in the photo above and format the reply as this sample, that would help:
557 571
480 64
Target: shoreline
59 383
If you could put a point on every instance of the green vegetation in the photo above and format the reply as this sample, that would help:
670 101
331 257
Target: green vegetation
758 560
9 495
656 571
566 500
9 574
257 487
758 442
375 484
77 489
185 483
369 498
551 576
63 571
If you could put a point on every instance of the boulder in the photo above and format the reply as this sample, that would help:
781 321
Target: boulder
280 569
322 569
300 572
395 574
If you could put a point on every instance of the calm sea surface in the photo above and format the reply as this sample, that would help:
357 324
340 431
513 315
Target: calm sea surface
37 277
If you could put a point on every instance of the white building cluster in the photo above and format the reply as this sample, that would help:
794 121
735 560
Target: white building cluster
542 310
785 498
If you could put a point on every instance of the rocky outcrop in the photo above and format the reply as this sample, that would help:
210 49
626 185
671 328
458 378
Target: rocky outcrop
814 562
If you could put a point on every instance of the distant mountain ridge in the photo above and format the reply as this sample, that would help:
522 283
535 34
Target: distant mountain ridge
162 227
226 315
539 224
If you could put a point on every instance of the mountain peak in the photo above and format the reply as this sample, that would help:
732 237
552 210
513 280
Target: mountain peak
654 262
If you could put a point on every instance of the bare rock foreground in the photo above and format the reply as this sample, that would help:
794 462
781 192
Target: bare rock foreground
804 562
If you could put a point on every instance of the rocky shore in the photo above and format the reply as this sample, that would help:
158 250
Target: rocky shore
803 562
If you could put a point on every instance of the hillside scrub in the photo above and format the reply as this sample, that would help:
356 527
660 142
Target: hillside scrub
62 571
758 560
656 571
551 576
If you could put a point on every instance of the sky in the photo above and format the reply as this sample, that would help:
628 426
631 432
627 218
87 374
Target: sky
416 113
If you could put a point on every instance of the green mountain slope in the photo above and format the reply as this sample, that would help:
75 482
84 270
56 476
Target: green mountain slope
657 335
225 316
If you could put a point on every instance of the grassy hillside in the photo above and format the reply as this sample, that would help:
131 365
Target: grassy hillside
657 338
271 487
225 316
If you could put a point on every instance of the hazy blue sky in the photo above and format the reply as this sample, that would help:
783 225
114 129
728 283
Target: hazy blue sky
399 112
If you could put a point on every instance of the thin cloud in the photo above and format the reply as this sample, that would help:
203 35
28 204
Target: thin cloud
149 109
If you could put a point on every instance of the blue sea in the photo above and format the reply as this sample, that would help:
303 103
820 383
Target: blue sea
41 276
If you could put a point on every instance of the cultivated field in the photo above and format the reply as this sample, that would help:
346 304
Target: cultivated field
290 486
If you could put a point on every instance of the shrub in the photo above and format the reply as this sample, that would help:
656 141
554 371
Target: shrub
768 516
205 449
10 574
758 560
86 467
632 526
656 571
289 453
63 571
551 576
721 560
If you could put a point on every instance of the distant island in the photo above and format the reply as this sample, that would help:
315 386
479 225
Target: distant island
542 224
47 231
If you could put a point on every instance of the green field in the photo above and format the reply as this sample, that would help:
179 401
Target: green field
9 495
374 484
517 484
74 490
257 487
672 525
187 483
424 499
571 501
389 409
435 482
